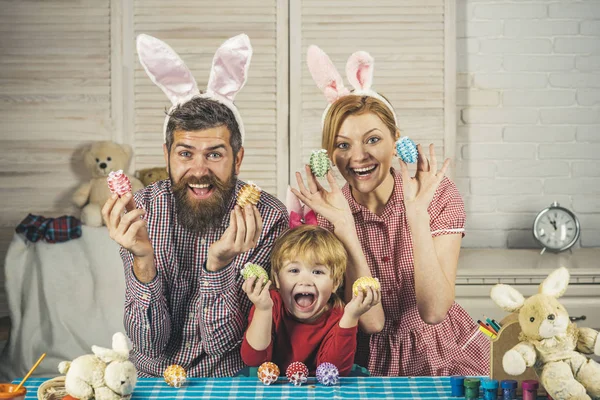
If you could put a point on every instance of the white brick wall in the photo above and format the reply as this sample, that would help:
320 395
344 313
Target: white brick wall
529 116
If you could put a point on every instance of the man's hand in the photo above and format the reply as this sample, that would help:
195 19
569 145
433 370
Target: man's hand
129 230
242 235
359 305
258 295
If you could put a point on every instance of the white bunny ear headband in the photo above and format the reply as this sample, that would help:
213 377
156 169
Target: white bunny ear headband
228 73
359 71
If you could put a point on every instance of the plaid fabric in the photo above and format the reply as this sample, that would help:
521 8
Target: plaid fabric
408 346
52 230
189 316
424 388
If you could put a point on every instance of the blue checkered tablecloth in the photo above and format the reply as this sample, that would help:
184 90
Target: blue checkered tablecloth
425 388
433 388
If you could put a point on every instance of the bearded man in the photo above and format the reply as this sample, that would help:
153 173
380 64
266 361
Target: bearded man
184 241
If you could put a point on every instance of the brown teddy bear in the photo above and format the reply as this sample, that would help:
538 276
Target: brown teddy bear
101 158
550 342
151 175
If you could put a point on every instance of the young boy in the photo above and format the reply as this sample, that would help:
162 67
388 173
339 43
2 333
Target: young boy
304 320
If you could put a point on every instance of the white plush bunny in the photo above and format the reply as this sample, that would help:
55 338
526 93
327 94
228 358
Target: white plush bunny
549 342
105 375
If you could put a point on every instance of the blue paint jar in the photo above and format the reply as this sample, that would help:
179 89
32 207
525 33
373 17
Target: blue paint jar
509 390
458 386
490 389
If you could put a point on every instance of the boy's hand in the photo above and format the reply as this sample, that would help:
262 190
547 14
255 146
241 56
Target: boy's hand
362 302
258 295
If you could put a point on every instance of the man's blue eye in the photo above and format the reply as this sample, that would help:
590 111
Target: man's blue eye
185 154
214 155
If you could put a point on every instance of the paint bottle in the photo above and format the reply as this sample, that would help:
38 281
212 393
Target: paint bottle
530 388
509 389
472 389
490 389
458 386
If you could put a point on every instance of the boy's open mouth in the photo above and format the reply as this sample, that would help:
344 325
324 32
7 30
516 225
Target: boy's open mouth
304 300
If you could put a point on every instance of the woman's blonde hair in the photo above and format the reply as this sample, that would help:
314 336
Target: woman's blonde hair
353 105
313 245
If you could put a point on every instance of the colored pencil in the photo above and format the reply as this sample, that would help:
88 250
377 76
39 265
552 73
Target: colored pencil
486 327
487 333
492 323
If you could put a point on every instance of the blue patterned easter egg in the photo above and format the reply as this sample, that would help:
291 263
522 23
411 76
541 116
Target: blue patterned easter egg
406 150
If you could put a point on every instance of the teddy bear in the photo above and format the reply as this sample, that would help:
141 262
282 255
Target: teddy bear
549 342
105 375
150 175
100 159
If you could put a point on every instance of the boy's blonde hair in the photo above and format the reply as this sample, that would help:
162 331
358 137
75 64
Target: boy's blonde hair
313 245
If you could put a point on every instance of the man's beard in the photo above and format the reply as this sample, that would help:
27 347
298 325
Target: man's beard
201 216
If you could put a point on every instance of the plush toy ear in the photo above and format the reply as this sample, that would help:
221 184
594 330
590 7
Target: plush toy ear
556 283
507 298
359 70
166 69
325 75
106 355
121 343
229 70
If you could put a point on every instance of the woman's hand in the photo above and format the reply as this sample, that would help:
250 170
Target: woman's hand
332 205
419 190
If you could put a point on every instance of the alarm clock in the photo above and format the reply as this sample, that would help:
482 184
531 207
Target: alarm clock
556 228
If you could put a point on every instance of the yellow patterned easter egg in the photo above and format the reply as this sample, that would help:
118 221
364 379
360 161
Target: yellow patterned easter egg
175 375
248 194
363 283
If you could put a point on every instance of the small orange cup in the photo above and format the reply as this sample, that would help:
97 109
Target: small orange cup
7 391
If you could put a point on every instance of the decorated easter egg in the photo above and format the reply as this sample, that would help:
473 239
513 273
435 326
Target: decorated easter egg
406 150
248 194
268 373
118 182
297 373
363 283
319 163
256 270
328 374
175 375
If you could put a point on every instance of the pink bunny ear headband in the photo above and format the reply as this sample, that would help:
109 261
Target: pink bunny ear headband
359 71
228 73
299 214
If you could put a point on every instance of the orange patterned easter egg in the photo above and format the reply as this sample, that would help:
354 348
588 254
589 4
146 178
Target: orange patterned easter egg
175 375
268 373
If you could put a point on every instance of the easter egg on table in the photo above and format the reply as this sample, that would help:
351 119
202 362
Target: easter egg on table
175 376
328 374
297 373
268 373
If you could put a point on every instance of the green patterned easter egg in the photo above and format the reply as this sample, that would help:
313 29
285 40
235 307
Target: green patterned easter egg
319 163
250 270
